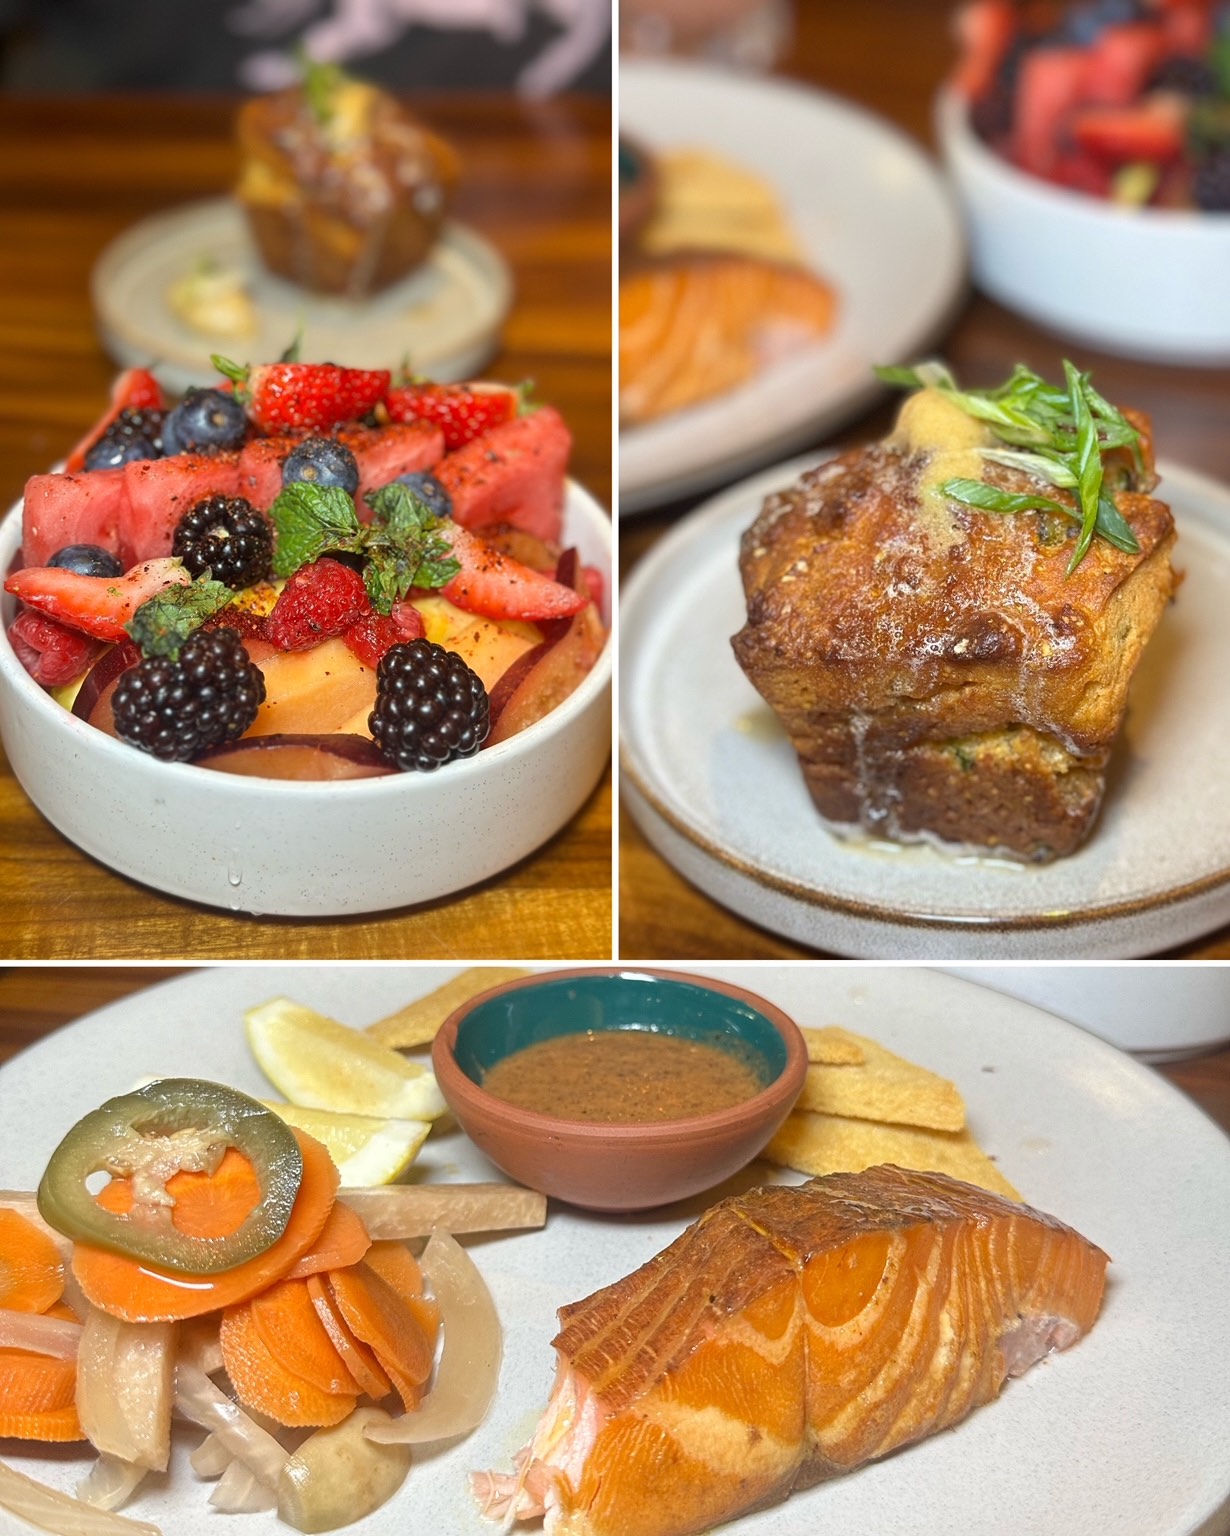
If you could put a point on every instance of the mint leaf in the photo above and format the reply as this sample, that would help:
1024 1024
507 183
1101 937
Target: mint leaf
404 547
161 625
310 521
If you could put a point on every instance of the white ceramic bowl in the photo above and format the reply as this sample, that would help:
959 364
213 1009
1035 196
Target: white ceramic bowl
1145 283
309 849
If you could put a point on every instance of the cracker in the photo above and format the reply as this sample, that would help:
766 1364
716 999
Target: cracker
419 1022
819 1144
834 1046
884 1087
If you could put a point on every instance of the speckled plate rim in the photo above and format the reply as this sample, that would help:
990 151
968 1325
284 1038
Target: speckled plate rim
1127 1431
1184 907
816 391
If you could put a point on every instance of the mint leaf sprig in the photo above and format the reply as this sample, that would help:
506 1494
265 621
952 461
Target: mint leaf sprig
1056 435
402 547
162 623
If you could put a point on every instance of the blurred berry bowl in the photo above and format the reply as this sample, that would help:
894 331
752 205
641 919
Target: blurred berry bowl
1147 283
309 847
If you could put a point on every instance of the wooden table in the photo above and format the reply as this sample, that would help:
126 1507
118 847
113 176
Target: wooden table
76 172
34 1000
890 56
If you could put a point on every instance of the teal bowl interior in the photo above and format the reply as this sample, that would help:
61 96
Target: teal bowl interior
632 1000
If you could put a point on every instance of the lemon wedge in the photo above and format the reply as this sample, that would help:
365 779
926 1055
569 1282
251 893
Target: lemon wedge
317 1063
367 1150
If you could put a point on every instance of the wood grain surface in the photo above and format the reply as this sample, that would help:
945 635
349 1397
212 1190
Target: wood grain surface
34 1000
76 172
891 56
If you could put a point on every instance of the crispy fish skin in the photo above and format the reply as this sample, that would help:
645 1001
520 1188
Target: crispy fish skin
939 672
789 1335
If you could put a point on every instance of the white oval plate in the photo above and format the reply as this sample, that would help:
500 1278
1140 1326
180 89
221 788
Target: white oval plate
874 216
1128 1431
714 783
310 848
444 318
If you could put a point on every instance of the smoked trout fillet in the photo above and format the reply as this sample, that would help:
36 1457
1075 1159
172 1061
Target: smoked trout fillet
789 1335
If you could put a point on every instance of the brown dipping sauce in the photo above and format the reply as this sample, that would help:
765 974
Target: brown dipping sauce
625 1076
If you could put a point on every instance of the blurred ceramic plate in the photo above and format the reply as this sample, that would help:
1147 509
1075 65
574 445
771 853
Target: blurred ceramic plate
445 317
714 784
1128 1431
874 217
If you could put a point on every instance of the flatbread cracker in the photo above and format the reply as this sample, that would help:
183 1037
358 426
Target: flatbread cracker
884 1087
419 1022
833 1046
820 1144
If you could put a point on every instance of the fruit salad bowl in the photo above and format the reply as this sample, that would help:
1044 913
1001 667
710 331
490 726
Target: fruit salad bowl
310 848
1146 282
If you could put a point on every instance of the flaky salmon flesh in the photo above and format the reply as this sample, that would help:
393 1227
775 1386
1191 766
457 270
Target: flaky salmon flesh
789 1335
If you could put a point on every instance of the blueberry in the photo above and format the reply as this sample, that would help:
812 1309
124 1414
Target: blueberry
204 418
322 461
110 452
1085 22
87 560
428 490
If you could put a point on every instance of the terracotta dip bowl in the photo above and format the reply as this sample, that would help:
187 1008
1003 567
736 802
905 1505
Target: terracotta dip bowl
607 1165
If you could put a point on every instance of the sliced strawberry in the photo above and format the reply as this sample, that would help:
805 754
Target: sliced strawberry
986 29
1050 86
1121 62
498 587
1154 130
52 654
96 605
463 412
136 389
291 397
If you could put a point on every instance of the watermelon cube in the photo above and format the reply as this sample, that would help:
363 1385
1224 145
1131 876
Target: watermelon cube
86 508
513 474
160 491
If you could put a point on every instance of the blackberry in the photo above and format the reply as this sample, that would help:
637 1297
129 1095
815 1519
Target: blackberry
1187 75
322 461
87 560
179 709
430 707
429 491
205 419
1211 183
132 435
228 537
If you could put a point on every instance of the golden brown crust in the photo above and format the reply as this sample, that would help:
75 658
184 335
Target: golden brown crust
886 627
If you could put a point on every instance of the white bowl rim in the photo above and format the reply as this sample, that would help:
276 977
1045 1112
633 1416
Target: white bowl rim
955 132
110 751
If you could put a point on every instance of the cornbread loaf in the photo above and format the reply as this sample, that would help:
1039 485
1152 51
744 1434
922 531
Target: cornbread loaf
940 672
344 191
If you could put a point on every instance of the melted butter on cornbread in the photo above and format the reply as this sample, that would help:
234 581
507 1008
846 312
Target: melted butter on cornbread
932 425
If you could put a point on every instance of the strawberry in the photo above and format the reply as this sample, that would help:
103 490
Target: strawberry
463 412
320 600
377 633
1154 129
96 605
50 653
498 587
136 389
297 397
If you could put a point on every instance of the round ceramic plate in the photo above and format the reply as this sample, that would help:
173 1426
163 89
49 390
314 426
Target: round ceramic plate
873 215
1127 1431
714 783
444 318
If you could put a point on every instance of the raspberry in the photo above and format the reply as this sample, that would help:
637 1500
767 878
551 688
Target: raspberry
52 654
372 636
228 537
430 707
320 600
179 709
